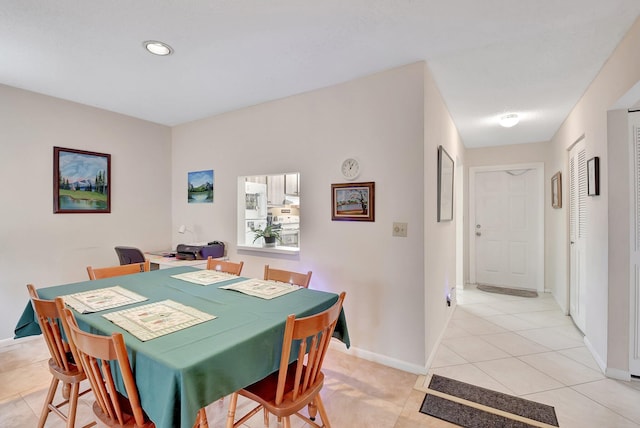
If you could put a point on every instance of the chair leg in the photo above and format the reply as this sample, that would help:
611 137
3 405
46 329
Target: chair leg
313 410
45 409
66 390
201 419
73 405
231 413
323 411
266 417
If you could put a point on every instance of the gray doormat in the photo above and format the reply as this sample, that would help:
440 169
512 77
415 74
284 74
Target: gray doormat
471 406
505 290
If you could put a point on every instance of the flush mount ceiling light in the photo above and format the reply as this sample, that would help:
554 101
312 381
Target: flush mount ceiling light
508 120
157 48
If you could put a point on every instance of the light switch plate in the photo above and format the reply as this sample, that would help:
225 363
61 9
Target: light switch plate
399 229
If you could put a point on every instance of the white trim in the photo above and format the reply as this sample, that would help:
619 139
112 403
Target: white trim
617 374
11 341
378 358
599 361
539 167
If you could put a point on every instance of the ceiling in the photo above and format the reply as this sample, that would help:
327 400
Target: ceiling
488 57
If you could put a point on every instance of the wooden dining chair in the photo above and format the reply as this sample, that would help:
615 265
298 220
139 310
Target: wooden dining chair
97 354
108 272
297 384
224 266
62 364
301 279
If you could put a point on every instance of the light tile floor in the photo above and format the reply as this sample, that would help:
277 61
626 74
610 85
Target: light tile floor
520 346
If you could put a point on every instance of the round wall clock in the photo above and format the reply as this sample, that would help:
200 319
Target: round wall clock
350 169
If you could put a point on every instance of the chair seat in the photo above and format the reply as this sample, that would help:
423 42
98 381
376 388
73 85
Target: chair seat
264 392
129 420
73 375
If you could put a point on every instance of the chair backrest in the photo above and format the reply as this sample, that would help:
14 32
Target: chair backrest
301 279
49 315
96 352
224 266
108 272
129 255
311 336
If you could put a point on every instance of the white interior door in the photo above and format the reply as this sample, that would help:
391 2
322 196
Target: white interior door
507 228
634 360
577 229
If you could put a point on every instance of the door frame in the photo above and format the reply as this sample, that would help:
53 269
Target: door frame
539 167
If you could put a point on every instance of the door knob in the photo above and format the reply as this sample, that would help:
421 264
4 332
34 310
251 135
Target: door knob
478 234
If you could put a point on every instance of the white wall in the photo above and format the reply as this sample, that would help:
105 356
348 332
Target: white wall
439 238
392 121
607 328
47 249
379 120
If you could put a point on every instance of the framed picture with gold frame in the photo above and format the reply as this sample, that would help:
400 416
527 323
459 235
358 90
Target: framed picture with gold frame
556 190
353 201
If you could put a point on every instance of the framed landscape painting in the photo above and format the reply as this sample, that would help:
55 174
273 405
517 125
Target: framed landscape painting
200 189
353 201
81 181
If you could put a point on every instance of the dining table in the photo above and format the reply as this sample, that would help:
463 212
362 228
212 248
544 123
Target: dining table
182 371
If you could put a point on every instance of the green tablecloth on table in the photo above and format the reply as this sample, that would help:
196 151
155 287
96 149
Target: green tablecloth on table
181 372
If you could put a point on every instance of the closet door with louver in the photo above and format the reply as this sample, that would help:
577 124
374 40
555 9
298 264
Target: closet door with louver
577 232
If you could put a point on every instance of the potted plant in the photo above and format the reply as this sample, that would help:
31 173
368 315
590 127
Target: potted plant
268 233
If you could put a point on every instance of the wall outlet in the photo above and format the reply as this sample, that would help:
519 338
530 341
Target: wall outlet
399 229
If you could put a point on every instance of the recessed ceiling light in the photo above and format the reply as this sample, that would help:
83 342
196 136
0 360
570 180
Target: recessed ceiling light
157 48
508 120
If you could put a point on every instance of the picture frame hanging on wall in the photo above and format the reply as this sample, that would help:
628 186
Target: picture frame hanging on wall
593 176
353 201
81 181
556 190
200 187
445 185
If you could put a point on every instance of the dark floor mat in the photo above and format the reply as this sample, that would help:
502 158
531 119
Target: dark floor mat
506 290
486 397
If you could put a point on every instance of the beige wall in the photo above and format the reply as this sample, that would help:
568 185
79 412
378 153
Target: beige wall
440 238
378 119
49 249
607 291
392 121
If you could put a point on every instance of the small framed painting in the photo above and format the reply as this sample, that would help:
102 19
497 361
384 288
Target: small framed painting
353 201
81 181
556 190
593 176
200 189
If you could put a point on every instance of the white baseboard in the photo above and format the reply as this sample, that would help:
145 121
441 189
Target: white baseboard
607 371
617 374
10 341
379 359
594 354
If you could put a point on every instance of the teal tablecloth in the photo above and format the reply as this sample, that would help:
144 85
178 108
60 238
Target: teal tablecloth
181 372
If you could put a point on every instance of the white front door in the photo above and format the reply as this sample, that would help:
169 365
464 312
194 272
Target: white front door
507 231
577 229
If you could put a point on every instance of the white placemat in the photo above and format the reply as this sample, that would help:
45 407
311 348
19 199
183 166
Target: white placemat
157 319
205 277
104 298
262 288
